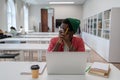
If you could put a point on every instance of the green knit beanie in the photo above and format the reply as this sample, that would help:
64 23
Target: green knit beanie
74 23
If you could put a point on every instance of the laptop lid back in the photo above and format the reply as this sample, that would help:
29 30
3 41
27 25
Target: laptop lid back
66 63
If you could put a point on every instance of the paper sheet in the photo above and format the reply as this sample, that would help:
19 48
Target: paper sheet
98 65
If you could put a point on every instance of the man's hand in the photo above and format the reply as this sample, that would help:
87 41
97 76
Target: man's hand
64 37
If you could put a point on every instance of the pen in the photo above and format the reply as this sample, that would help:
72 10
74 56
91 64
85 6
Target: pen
87 69
66 31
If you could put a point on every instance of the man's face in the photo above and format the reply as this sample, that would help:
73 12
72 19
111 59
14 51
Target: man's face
63 28
64 32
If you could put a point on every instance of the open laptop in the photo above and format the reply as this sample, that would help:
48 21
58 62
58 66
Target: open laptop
66 63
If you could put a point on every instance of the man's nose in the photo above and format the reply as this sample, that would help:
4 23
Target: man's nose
61 31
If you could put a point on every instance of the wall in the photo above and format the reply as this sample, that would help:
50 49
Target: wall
65 11
50 21
19 13
92 7
3 14
100 45
34 16
60 12
3 17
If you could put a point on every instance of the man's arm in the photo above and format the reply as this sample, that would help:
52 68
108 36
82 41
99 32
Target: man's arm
54 44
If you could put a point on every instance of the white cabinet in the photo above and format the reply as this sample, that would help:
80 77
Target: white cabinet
102 33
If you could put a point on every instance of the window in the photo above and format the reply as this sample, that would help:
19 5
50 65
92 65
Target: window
11 14
26 18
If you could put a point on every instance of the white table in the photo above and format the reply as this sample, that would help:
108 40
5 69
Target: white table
114 75
43 33
12 71
23 46
38 47
38 36
38 40
30 47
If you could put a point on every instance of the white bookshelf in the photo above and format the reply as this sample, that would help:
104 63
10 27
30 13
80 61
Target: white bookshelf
102 33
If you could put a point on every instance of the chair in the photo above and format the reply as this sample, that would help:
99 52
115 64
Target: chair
10 54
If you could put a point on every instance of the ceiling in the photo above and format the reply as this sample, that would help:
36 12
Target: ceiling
42 2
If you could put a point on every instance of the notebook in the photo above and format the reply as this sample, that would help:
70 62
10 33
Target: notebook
66 63
99 68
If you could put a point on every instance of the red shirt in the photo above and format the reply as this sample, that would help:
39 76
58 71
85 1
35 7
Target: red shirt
77 42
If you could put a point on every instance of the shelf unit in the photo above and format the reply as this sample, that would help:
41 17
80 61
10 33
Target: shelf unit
101 32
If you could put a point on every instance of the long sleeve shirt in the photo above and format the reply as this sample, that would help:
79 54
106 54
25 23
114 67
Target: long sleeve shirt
77 42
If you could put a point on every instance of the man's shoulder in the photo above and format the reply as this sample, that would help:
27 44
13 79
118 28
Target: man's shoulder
77 38
55 38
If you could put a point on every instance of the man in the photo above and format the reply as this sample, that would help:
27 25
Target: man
21 31
2 35
66 41
13 31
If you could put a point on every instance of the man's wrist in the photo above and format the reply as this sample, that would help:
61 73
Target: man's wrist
72 48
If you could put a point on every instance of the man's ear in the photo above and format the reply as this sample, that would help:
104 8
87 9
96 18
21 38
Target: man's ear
73 32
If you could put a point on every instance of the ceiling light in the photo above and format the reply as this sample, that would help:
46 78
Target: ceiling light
61 2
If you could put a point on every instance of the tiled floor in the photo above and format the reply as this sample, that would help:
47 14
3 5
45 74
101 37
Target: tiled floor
94 57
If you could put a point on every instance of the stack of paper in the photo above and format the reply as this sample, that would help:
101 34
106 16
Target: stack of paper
99 68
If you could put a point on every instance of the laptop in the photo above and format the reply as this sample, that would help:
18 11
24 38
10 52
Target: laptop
66 63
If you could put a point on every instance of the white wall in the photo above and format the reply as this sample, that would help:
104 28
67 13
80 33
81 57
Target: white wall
50 21
91 7
60 12
100 45
65 11
3 14
34 16
19 14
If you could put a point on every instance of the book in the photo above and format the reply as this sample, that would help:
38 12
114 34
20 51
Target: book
99 68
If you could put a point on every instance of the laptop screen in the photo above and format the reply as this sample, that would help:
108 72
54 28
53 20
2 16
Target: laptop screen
66 63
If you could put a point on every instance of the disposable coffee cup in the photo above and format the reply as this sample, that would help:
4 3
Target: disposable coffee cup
35 71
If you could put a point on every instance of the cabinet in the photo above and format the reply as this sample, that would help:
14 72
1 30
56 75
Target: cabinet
102 33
